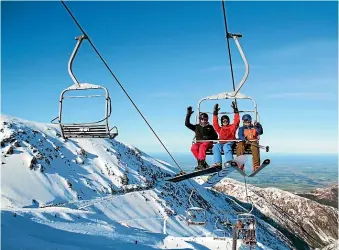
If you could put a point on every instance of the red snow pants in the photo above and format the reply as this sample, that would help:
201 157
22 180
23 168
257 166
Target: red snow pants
199 149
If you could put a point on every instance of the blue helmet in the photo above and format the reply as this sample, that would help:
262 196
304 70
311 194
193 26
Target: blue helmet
247 117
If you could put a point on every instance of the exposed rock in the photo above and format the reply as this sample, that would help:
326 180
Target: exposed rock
10 150
327 196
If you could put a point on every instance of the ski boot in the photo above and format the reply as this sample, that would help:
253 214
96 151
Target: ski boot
201 165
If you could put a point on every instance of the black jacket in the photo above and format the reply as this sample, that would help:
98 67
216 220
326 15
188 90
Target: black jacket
201 133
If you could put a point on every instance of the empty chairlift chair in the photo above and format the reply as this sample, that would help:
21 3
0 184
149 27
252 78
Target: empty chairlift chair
218 234
195 215
97 129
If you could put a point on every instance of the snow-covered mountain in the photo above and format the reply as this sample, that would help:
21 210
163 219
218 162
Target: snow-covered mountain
103 194
312 222
333 246
327 196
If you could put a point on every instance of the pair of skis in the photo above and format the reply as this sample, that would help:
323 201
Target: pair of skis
263 165
219 171
229 168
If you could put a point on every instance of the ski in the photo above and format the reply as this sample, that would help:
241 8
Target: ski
206 171
217 177
226 170
234 165
262 166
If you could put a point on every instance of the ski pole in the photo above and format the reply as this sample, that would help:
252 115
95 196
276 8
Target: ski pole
267 148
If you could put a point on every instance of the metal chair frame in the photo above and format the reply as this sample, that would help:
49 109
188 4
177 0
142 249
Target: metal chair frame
97 129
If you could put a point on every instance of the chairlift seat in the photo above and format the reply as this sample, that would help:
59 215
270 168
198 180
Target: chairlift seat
87 131
197 223
192 212
219 234
234 150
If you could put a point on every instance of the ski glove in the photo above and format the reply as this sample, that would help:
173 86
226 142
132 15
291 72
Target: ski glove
235 108
216 109
189 110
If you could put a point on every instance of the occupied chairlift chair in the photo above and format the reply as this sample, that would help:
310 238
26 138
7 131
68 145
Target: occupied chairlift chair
245 228
233 95
98 129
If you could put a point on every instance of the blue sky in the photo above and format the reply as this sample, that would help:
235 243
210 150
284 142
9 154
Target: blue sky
169 55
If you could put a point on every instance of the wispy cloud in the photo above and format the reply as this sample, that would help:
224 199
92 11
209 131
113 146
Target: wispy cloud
302 95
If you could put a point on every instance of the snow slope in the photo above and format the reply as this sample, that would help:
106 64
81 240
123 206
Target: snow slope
102 194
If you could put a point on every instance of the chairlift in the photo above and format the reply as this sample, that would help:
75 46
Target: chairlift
246 227
97 129
195 215
218 234
232 95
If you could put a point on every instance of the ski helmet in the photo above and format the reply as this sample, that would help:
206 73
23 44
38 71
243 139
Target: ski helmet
247 117
203 116
225 117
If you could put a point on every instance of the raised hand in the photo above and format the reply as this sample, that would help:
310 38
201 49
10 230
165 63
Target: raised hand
189 110
216 109
256 124
235 108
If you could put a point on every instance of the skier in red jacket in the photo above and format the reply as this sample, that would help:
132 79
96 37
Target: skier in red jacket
226 132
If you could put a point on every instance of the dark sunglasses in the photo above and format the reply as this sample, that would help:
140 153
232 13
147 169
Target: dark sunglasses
203 119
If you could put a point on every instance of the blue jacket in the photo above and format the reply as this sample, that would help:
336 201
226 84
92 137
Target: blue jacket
250 132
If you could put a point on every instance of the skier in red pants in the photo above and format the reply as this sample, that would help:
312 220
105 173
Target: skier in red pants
203 131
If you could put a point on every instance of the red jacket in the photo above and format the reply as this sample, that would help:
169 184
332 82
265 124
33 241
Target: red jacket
226 132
